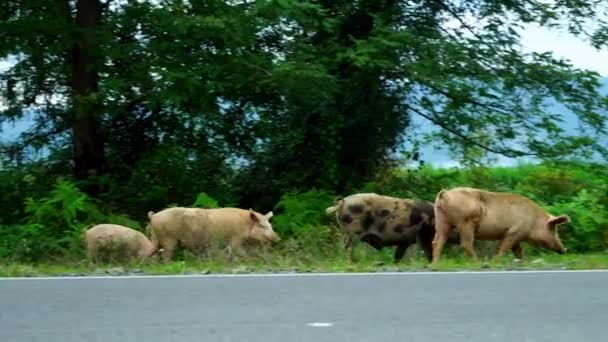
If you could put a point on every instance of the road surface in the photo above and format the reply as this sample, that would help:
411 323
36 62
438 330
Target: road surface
471 307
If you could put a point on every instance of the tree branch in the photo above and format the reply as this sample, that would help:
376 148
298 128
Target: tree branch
506 152
20 145
497 109
464 24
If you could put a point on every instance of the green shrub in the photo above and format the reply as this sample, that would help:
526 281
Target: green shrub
45 218
300 212
588 230
54 224
205 201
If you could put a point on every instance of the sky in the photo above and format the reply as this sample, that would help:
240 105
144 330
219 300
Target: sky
534 39
580 52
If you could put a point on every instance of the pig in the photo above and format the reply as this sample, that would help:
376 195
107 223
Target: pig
196 228
112 241
484 215
383 221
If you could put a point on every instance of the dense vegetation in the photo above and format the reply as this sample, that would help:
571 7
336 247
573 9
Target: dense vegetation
137 105
53 223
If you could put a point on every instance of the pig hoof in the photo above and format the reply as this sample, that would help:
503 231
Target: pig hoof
241 270
116 271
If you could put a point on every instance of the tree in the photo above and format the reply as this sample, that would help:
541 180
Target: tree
283 94
352 74
56 48
126 82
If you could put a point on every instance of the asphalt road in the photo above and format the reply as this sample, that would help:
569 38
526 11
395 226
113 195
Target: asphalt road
526 307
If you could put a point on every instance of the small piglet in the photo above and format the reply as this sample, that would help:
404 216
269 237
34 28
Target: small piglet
115 242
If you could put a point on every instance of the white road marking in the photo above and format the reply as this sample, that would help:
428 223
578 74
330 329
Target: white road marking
270 275
320 324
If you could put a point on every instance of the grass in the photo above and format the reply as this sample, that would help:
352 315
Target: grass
274 262
314 252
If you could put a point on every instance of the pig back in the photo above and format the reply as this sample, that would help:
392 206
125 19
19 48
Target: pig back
178 222
228 222
106 235
512 211
493 212
391 219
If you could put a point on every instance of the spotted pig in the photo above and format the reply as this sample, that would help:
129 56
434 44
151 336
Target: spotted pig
383 221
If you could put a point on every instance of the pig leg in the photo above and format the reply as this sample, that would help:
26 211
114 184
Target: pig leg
91 252
438 242
506 244
400 252
235 247
168 248
467 237
517 251
348 241
349 247
442 228
425 241
428 250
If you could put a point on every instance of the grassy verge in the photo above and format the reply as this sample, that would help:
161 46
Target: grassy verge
281 264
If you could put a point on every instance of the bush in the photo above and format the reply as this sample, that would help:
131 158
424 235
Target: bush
298 213
588 230
43 217
54 225
205 201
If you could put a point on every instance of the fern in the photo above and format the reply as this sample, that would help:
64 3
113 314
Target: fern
61 216
205 201
589 216
298 212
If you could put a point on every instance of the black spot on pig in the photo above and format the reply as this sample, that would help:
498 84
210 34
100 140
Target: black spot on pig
384 213
356 208
399 228
368 221
415 216
382 227
346 218
420 208
373 240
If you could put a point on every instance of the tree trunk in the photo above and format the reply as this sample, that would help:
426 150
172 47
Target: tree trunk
88 145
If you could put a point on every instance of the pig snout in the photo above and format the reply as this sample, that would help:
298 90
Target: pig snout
273 237
558 247
264 235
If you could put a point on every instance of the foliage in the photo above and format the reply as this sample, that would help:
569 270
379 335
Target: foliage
205 201
299 213
588 211
144 104
54 224
153 102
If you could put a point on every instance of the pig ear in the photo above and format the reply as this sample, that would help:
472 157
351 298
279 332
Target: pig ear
253 216
268 215
555 221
